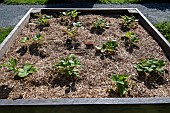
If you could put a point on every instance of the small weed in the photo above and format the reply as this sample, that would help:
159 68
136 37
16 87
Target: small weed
100 24
108 48
121 82
21 72
68 66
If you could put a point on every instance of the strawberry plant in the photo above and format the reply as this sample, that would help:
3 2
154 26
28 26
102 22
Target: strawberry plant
71 14
42 20
36 39
68 17
128 21
68 66
11 64
100 24
32 45
150 65
130 39
108 48
121 82
21 72
26 70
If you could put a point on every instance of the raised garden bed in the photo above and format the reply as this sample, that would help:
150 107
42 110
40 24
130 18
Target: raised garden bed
117 53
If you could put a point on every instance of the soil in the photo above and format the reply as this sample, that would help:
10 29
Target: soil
94 80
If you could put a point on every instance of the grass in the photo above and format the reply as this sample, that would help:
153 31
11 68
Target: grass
68 1
164 28
4 32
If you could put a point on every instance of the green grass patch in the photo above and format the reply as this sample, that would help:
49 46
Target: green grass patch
4 33
164 28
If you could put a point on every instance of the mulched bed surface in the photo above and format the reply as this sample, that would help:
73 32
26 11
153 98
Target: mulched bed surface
95 72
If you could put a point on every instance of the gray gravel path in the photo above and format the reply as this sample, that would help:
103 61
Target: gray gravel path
11 14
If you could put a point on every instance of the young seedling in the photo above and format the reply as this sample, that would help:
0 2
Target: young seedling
42 20
71 14
150 65
108 48
68 66
32 45
68 17
11 64
130 39
21 72
72 33
36 39
128 21
24 39
121 82
100 24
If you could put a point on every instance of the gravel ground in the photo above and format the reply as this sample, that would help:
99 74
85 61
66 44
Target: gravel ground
155 12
